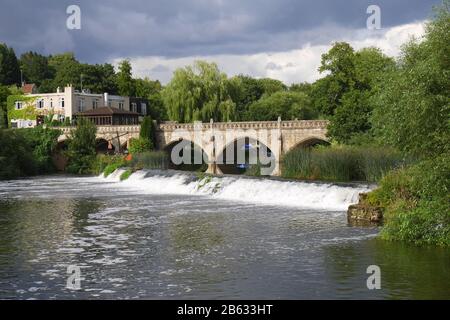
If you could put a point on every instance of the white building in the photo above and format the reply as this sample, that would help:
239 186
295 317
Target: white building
65 104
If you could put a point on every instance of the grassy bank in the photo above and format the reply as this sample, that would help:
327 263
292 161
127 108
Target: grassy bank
341 163
416 202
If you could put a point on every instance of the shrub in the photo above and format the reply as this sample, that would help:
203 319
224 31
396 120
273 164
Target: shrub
416 202
140 145
125 175
103 160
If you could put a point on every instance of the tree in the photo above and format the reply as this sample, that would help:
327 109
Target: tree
125 82
198 92
344 94
412 107
9 66
287 105
81 151
151 90
35 68
148 130
4 93
67 71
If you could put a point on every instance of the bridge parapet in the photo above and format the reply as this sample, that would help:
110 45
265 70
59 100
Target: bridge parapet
294 124
106 129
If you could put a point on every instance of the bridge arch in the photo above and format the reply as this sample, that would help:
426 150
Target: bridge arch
310 141
243 153
185 155
104 145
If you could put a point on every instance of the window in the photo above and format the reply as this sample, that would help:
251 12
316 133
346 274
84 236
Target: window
133 106
109 104
94 104
18 105
144 108
51 103
61 102
40 104
81 105
121 105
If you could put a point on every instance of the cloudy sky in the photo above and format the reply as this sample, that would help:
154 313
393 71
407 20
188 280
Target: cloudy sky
282 39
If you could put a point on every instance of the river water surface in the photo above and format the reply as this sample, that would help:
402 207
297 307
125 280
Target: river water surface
165 235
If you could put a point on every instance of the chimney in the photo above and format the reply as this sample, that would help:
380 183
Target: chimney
105 99
58 90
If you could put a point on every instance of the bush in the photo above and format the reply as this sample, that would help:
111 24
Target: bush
340 163
140 145
103 160
26 152
125 175
416 203
110 168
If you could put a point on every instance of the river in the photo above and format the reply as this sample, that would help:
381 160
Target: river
167 235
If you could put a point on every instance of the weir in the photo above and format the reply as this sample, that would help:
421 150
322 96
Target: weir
324 196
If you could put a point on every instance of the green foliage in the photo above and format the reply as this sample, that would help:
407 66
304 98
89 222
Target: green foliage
341 163
151 90
4 93
124 79
103 160
412 107
28 112
16 158
198 93
147 131
150 160
26 151
126 174
343 95
81 152
139 145
416 202
110 168
35 68
9 66
42 142
284 104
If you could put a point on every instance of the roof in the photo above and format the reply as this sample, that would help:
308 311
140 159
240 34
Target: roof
28 88
106 111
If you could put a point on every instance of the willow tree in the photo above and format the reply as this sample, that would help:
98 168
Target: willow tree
198 93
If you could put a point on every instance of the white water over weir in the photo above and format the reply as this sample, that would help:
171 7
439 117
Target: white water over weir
325 196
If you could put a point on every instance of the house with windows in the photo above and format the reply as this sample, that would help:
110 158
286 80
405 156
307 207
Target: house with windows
68 103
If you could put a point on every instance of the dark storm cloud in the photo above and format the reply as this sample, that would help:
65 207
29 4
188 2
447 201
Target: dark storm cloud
179 28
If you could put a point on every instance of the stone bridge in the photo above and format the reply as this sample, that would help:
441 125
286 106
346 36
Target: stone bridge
215 137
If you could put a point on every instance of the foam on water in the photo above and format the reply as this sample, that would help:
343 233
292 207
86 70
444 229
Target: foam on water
326 196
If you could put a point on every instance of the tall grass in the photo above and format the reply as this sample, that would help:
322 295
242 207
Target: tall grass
342 163
150 160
